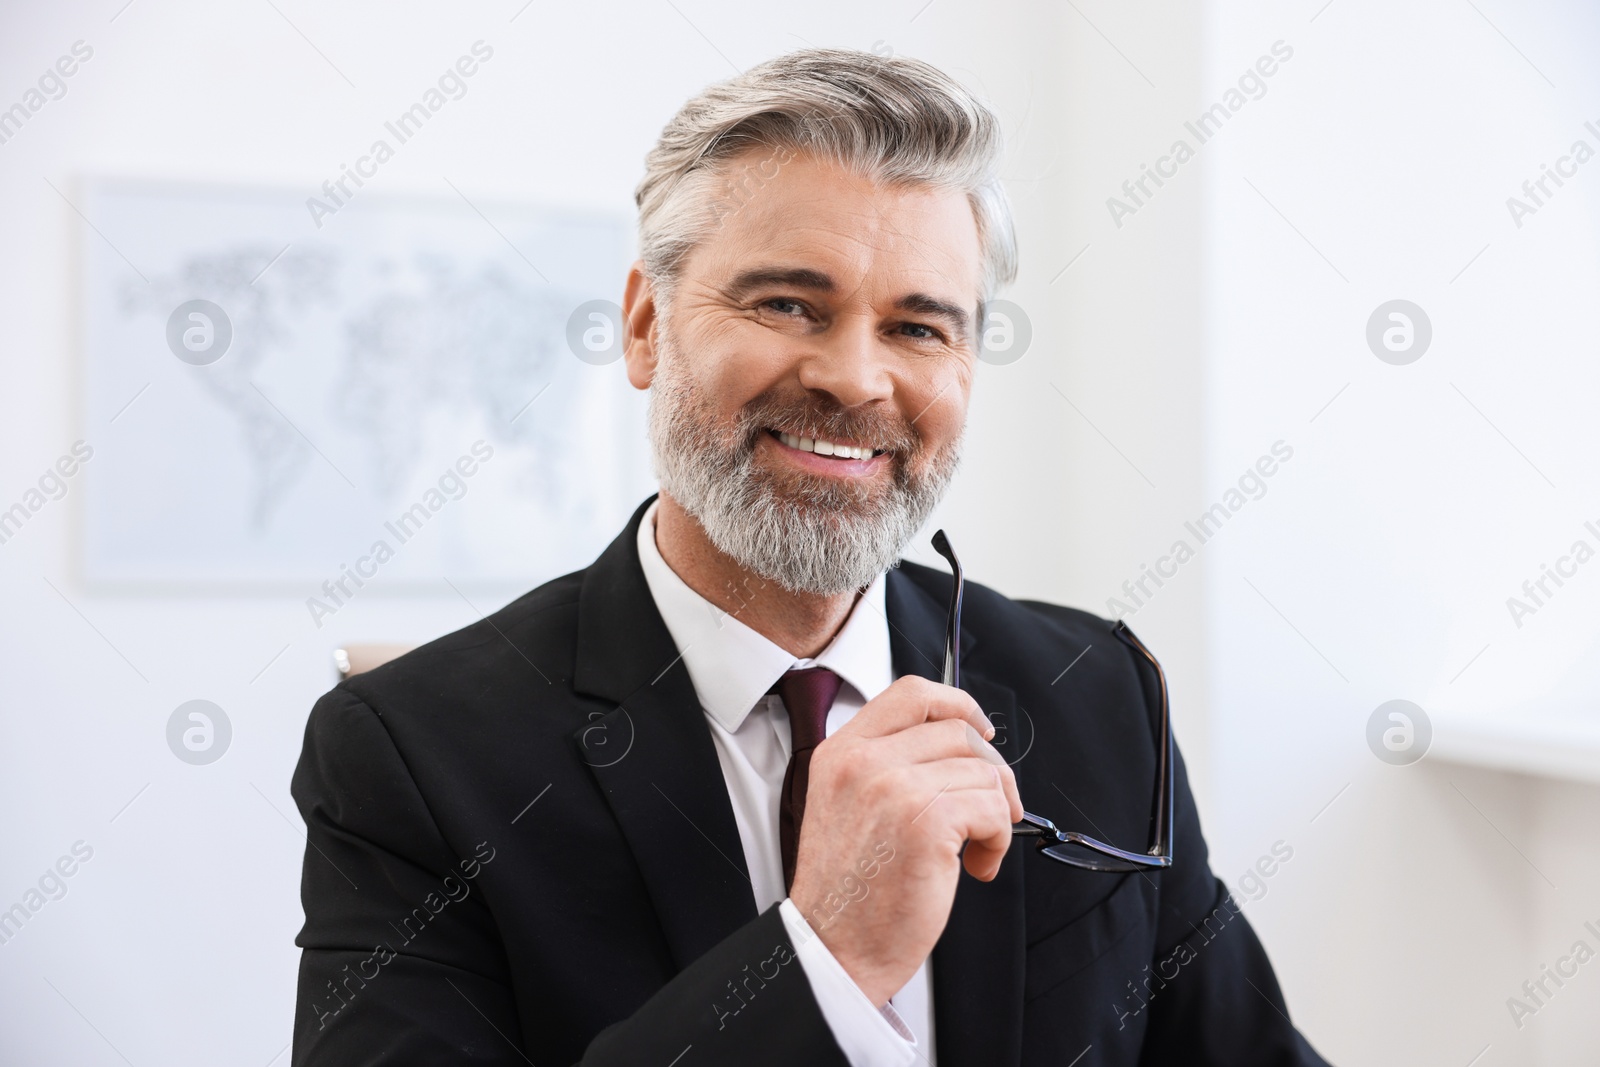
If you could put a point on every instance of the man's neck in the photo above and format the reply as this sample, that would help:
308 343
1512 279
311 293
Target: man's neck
799 623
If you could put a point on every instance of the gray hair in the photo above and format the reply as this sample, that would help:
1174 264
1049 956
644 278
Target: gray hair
893 119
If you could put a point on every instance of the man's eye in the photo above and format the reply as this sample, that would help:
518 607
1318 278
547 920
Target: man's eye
921 331
785 306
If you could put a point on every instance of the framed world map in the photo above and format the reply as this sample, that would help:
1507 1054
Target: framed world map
269 400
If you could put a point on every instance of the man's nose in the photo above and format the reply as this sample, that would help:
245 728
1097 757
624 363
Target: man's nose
849 361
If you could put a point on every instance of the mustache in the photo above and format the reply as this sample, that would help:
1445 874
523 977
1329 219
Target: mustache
820 416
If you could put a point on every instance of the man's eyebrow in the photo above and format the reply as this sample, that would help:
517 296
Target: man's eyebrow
923 304
746 282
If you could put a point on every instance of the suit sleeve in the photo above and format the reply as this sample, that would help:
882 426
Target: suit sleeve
372 990
1219 1003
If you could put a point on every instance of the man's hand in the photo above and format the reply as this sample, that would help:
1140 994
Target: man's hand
892 797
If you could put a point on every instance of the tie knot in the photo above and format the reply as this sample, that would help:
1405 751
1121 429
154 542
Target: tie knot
808 694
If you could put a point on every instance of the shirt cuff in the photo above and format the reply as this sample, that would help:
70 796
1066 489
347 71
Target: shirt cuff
868 1036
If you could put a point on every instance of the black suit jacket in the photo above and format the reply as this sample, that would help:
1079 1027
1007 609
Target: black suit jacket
520 849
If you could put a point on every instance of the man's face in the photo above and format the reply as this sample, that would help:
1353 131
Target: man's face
822 313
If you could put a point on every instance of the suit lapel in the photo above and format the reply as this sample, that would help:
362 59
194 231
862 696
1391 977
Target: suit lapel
654 759
978 962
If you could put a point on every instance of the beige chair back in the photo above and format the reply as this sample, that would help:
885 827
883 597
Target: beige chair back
357 659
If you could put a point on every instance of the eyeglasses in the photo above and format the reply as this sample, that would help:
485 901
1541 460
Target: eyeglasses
1067 846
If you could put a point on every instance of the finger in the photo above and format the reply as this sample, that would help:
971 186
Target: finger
986 851
1008 786
940 739
962 797
930 782
911 701
951 739
982 861
980 817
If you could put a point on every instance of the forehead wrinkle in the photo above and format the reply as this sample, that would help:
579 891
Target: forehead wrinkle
915 243
870 217
857 233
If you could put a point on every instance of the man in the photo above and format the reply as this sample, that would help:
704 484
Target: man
707 801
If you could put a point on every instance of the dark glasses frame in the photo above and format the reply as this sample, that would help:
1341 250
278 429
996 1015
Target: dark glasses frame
1068 846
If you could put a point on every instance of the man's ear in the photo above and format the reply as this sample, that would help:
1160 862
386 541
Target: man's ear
639 316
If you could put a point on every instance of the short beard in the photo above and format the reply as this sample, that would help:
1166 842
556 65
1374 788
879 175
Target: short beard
807 533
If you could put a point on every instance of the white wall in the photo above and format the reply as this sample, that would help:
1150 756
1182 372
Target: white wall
1173 351
1379 563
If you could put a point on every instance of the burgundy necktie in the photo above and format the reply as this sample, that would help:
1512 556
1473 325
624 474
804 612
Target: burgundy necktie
808 694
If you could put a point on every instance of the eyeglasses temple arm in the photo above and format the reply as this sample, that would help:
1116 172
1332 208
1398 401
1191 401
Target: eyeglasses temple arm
1161 815
952 634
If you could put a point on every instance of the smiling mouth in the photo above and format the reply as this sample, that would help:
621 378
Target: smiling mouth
821 447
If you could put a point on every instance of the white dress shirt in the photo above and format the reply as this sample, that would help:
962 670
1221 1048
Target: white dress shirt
732 667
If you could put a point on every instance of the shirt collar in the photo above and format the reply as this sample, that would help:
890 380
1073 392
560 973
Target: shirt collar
732 666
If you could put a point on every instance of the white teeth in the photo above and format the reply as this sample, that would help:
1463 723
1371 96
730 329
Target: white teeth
825 448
